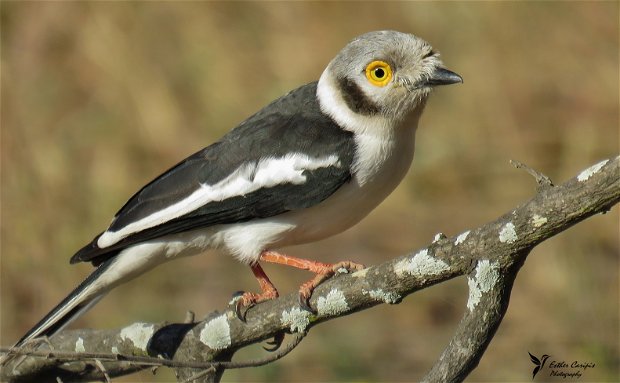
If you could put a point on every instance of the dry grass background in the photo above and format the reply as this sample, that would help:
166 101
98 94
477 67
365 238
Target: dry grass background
98 98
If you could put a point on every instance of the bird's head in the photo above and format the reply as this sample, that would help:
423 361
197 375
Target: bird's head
385 73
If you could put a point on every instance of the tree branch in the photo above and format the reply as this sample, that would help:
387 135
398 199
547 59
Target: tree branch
490 256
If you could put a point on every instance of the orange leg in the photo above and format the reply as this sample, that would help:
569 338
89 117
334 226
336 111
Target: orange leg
268 291
323 271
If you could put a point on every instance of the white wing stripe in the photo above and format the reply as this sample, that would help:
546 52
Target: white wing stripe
267 173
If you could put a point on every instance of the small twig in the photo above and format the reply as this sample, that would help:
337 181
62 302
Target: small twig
151 361
68 356
103 370
6 354
542 180
200 374
189 317
298 337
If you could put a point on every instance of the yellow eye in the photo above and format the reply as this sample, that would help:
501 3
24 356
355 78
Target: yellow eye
379 73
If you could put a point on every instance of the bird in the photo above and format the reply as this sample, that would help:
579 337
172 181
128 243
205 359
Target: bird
307 166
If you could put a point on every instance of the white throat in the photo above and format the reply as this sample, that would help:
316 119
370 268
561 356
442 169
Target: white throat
381 143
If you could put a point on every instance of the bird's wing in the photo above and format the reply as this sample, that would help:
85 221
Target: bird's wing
288 156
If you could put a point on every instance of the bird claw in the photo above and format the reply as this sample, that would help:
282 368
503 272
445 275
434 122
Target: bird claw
244 301
275 344
239 306
304 302
306 289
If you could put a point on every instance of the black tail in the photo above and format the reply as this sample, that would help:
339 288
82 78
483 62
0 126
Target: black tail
73 306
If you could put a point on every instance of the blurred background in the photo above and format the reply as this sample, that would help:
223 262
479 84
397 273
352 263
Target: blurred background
100 97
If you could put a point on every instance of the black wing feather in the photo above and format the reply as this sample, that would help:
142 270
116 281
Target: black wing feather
293 123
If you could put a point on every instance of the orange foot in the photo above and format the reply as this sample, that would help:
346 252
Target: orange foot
323 272
247 299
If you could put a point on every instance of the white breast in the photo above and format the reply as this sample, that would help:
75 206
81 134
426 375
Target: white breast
384 151
379 174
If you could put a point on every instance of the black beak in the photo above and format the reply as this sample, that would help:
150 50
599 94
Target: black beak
442 76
